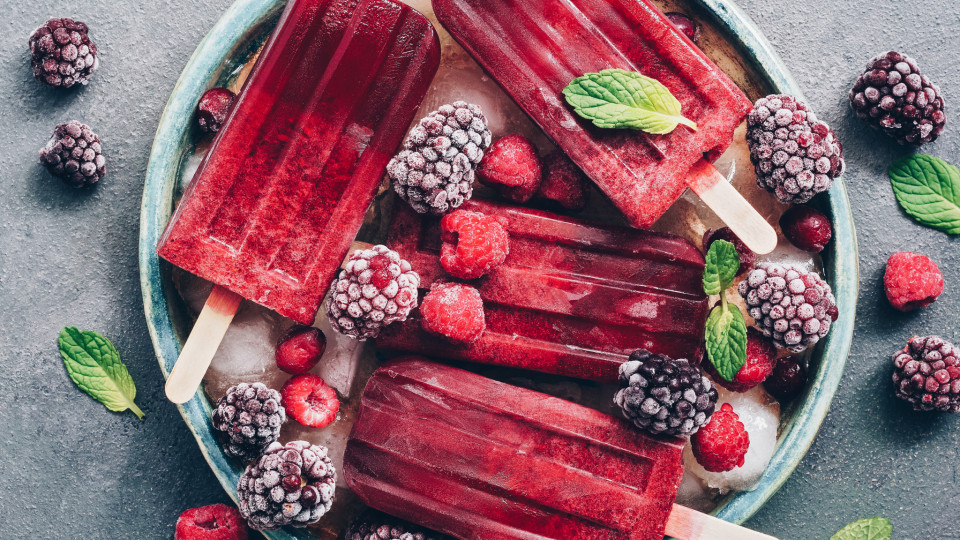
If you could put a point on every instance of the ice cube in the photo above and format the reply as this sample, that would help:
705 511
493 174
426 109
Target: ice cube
693 494
246 353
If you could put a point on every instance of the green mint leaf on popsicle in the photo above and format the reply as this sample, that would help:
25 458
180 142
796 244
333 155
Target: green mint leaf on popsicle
928 189
616 98
722 266
877 528
93 363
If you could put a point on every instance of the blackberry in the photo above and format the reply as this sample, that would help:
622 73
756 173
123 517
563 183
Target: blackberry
893 97
794 155
248 418
791 306
435 170
374 525
62 53
290 484
665 396
927 374
74 154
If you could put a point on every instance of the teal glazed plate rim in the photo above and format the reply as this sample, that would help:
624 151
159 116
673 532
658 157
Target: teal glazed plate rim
240 32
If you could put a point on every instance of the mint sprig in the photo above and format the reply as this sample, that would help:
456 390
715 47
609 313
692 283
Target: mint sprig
93 363
928 189
876 528
726 330
616 98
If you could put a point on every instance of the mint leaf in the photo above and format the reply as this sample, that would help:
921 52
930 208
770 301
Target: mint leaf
928 188
94 365
722 266
726 339
616 98
877 528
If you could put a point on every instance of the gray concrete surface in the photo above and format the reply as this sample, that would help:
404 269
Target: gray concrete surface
71 469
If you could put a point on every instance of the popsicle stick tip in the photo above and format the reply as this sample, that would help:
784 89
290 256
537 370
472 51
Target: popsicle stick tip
688 524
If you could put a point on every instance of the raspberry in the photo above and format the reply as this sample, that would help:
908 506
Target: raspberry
212 522
721 445
912 281
248 419
927 374
685 24
761 357
564 183
212 109
62 53
453 310
511 166
309 401
473 243
806 228
788 378
74 154
299 349
747 257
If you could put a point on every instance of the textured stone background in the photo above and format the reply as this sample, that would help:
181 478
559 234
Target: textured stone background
71 469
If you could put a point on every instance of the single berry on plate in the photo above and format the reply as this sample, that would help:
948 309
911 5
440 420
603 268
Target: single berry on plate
806 228
512 166
309 401
685 24
893 97
787 380
435 170
794 155
299 349
722 444
62 53
453 310
761 358
290 484
791 306
926 373
664 396
473 243
248 419
213 108
74 155
912 281
564 183
747 257
374 525
375 288
212 522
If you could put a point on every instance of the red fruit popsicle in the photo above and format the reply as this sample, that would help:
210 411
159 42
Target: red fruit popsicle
571 298
480 459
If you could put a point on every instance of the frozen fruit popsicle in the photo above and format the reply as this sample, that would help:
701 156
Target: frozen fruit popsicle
571 298
480 459
535 48
276 203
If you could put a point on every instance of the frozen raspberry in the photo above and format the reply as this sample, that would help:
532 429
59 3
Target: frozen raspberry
761 357
299 349
806 228
685 24
912 281
511 166
309 401
212 109
213 522
453 310
787 380
473 243
747 257
74 154
721 445
62 53
564 183
927 374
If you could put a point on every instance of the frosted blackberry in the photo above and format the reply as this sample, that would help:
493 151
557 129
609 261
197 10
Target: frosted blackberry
927 374
290 484
435 170
248 418
62 53
792 307
74 154
374 525
665 396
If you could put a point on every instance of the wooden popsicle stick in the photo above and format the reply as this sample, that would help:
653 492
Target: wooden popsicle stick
725 201
688 524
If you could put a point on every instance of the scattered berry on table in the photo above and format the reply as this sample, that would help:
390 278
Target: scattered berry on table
893 97
512 166
473 243
453 310
787 380
212 522
375 288
299 349
248 419
747 257
912 281
794 155
212 109
721 445
761 358
62 53
564 183
685 24
74 154
435 170
664 396
374 525
290 484
309 401
791 306
927 374
806 228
